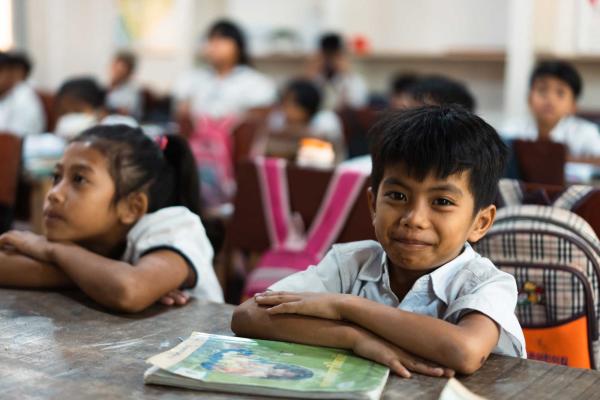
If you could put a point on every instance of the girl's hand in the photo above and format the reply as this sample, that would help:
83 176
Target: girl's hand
320 305
28 244
399 361
175 298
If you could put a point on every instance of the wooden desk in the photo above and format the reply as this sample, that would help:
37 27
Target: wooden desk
56 345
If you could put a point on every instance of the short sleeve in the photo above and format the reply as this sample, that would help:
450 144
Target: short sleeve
260 90
495 297
323 277
179 230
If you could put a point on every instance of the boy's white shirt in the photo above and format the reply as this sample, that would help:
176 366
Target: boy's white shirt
179 230
21 111
581 137
467 283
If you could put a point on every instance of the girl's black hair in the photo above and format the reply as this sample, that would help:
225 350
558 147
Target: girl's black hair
306 94
227 29
165 171
84 89
443 140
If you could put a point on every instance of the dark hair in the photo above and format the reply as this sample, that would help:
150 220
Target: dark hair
443 140
5 60
306 94
402 82
83 89
127 58
331 43
560 70
227 29
137 163
439 90
20 59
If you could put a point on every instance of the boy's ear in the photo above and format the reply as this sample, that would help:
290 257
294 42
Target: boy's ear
372 200
482 223
132 208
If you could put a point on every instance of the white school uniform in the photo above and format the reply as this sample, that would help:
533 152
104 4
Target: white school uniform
126 96
467 283
21 111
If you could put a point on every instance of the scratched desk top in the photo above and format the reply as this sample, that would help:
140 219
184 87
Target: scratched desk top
61 345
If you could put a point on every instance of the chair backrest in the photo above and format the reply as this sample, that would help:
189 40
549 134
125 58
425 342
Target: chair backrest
554 256
247 230
49 106
10 161
541 161
356 124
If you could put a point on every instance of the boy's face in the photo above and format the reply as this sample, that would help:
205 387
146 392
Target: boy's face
551 99
294 113
424 224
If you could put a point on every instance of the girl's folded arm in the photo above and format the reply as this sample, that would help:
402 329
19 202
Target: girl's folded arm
117 284
20 271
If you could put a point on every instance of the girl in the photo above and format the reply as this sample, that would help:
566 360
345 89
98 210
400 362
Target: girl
121 224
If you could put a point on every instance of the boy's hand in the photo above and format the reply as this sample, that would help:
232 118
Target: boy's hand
28 244
399 361
320 305
175 298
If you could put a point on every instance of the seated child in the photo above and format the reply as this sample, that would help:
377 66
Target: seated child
123 95
400 97
299 116
80 105
121 224
432 90
420 292
554 88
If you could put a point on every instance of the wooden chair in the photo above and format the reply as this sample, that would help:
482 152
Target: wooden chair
356 124
48 103
247 232
10 162
541 161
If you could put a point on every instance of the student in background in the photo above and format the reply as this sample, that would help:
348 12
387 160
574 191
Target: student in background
411 91
123 95
332 71
298 116
121 224
21 110
554 88
80 105
420 291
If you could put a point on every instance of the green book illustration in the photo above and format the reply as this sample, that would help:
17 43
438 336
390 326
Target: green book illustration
239 365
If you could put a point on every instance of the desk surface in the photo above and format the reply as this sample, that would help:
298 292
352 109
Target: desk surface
60 345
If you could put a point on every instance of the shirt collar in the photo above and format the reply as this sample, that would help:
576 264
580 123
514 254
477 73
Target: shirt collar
440 278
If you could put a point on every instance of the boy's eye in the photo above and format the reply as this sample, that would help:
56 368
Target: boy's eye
442 202
398 196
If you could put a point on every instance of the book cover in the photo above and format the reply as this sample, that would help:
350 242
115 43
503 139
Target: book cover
234 364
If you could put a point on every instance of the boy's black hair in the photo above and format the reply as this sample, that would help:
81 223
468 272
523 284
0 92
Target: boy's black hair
306 94
402 82
127 58
558 69
228 29
20 60
443 140
166 172
5 60
331 43
84 89
441 90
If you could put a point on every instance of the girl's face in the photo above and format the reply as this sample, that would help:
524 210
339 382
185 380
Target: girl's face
221 51
79 207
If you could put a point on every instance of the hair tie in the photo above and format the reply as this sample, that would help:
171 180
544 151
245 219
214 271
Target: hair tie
162 142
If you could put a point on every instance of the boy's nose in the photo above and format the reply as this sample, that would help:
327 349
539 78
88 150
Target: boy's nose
416 217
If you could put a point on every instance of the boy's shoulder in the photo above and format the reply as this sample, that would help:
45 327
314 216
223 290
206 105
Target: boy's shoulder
355 259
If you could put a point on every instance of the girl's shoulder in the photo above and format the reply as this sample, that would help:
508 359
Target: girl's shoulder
168 220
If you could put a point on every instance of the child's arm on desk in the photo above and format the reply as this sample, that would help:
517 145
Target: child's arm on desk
20 271
114 284
463 347
251 320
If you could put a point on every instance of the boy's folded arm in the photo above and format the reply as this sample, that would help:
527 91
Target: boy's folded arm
117 284
463 347
20 271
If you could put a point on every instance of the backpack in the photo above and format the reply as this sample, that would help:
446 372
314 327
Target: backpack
292 249
554 256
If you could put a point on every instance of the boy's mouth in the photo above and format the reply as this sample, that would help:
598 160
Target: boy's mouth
411 242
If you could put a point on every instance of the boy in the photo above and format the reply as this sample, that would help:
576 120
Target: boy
554 88
422 289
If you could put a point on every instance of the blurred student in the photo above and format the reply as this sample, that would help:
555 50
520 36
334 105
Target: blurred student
332 71
400 97
554 88
80 105
299 116
215 98
123 95
21 111
411 91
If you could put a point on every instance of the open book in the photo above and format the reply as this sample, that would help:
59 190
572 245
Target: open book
269 368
